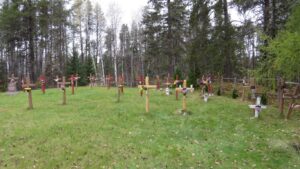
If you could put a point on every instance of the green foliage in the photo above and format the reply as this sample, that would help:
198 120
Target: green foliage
178 73
285 49
219 91
264 98
235 94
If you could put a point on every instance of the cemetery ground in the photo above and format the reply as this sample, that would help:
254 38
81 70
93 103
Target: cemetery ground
95 131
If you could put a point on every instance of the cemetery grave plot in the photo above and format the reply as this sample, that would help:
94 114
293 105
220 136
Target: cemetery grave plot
93 131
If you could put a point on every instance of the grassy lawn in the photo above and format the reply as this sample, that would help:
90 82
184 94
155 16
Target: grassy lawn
94 131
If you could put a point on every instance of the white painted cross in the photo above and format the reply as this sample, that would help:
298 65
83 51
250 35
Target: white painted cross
257 107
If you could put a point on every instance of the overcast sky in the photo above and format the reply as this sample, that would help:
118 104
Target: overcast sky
130 9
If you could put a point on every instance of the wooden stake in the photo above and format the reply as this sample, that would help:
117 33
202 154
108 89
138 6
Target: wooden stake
147 87
63 87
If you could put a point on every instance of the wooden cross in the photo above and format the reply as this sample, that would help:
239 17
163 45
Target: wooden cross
76 80
57 79
63 87
184 91
168 84
293 96
177 82
27 87
108 81
12 86
42 79
72 79
141 81
245 87
157 82
92 79
120 86
147 87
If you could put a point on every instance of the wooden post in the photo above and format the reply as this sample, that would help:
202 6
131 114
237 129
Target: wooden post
221 85
184 91
27 87
280 95
76 80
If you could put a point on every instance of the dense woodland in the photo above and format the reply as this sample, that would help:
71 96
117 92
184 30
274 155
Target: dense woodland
185 37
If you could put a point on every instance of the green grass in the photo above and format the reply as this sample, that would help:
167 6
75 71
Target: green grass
94 131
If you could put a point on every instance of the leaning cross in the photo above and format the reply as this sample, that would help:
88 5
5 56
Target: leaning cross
146 87
27 87
184 91
63 87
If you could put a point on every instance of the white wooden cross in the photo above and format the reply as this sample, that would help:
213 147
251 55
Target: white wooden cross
257 107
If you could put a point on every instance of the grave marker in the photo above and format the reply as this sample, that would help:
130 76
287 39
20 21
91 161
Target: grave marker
257 107
108 81
76 80
63 87
12 85
27 87
177 82
92 79
168 84
184 91
147 87
72 79
42 80
120 86
141 81
57 79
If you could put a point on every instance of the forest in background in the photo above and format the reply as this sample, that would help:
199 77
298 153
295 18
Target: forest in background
185 37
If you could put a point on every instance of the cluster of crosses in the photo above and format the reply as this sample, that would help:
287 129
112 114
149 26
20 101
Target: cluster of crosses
144 85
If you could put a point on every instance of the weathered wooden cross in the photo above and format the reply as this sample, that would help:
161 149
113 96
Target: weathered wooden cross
76 80
141 81
108 81
168 85
147 87
27 87
184 91
120 86
63 87
12 85
157 82
57 79
177 83
72 79
92 79
42 79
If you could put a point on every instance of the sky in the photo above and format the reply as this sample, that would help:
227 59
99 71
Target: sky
130 9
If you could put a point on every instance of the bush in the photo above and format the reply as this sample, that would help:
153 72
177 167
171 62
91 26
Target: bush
235 94
219 91
264 98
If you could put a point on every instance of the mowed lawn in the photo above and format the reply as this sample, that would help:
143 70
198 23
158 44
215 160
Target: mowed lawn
94 131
